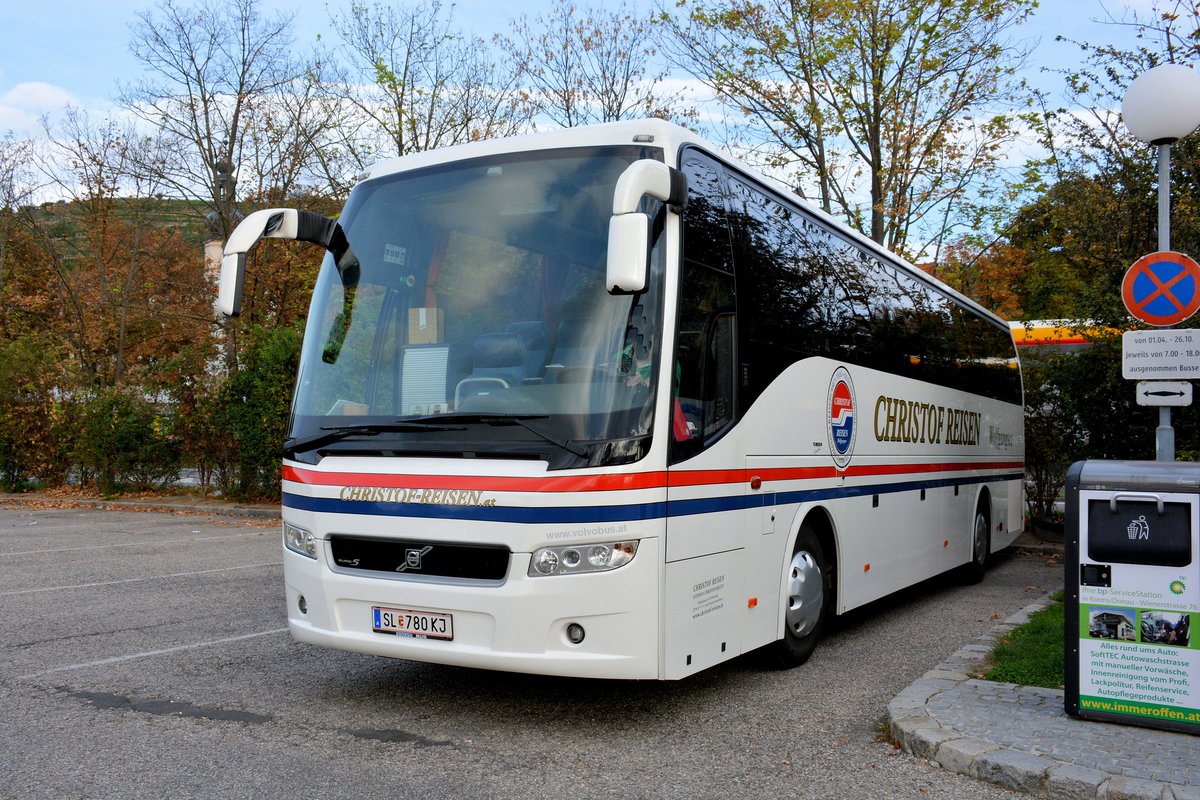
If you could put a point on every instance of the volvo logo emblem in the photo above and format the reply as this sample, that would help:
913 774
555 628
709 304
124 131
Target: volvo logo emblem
412 558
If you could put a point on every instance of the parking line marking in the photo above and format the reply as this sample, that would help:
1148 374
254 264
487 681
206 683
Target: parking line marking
152 653
128 544
137 580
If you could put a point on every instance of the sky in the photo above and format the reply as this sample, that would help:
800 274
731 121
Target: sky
59 52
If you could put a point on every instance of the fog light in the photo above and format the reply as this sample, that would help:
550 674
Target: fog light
575 633
302 604
571 558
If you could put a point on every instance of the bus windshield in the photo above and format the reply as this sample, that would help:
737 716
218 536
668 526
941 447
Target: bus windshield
472 318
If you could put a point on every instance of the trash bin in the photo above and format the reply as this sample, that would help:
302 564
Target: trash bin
1133 593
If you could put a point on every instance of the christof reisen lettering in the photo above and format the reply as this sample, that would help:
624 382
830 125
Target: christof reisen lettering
437 497
914 422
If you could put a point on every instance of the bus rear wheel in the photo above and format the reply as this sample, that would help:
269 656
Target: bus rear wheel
808 598
981 545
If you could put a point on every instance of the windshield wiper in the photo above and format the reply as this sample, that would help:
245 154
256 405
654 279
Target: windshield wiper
510 419
338 432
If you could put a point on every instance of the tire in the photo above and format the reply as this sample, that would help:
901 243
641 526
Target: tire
981 545
807 603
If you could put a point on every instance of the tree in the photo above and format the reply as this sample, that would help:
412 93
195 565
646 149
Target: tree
1067 249
895 100
16 189
288 147
1095 211
213 68
582 66
248 414
123 288
993 278
30 431
412 82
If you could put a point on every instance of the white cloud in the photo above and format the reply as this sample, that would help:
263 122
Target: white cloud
40 96
23 106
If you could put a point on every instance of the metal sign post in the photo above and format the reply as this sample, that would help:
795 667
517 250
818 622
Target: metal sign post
1162 289
1165 395
1160 107
1149 357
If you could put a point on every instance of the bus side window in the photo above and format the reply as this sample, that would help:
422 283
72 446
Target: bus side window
704 402
704 359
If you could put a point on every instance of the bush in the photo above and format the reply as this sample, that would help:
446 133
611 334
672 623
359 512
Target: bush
1078 406
249 413
124 441
31 430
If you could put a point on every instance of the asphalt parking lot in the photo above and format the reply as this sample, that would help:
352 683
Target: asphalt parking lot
146 655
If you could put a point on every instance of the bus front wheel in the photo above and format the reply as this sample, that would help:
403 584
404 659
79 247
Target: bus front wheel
807 601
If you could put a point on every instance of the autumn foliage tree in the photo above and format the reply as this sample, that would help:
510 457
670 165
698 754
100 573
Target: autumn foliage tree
123 286
885 112
1065 251
993 278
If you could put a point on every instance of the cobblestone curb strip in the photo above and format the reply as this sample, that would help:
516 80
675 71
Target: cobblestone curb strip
1019 737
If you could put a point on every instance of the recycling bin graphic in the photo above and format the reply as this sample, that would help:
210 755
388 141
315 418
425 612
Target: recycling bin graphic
1133 593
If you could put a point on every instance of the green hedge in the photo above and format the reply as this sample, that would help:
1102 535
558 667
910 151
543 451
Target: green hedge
229 427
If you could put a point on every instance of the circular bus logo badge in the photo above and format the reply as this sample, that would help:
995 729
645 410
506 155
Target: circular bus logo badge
841 405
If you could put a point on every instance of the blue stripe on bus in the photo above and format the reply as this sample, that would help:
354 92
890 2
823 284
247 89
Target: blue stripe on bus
616 513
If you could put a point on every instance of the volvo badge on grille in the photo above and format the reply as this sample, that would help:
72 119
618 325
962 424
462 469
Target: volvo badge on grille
412 558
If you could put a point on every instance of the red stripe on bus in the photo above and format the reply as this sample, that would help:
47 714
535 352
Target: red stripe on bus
906 469
495 483
627 481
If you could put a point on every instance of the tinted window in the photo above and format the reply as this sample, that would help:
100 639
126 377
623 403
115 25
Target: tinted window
704 387
705 227
805 290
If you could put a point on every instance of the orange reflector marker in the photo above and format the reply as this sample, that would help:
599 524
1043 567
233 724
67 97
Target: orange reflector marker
945 542
752 602
866 567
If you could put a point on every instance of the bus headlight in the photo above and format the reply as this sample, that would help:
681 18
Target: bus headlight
577 559
299 540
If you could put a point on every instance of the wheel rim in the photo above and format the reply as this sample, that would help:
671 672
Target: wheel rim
805 594
981 535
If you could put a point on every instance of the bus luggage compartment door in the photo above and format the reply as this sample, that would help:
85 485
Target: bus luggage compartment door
703 612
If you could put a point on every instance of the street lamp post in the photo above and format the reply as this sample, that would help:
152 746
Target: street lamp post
1161 106
223 217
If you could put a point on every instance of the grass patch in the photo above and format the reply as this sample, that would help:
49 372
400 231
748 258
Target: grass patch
1032 654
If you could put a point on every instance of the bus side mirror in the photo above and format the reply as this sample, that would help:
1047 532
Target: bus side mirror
629 229
273 223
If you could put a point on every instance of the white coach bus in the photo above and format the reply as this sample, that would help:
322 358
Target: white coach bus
603 403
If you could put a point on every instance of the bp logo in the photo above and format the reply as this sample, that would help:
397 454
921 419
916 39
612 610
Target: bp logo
842 408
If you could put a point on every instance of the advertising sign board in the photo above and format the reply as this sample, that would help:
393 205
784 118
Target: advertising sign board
1133 593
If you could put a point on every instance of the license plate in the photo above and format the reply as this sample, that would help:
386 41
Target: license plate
418 624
